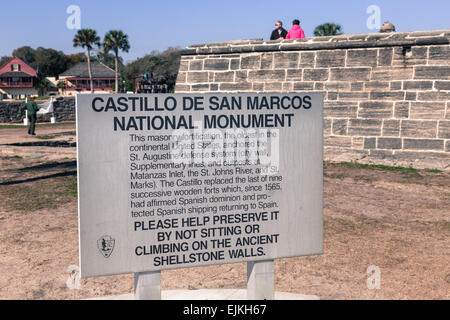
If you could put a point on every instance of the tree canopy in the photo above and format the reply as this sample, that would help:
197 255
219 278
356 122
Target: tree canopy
49 62
328 29
161 65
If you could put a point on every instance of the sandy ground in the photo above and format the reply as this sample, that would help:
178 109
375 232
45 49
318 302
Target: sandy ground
397 220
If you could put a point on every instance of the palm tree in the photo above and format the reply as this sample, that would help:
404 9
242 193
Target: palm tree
61 85
87 38
328 29
116 40
43 86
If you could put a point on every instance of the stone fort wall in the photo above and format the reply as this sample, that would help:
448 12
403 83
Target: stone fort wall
386 95
12 111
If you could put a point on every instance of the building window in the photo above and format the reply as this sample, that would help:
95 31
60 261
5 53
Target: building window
15 67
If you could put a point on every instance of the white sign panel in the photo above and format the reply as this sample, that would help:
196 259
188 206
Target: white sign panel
182 180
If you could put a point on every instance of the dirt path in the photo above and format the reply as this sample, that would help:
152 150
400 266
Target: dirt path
397 220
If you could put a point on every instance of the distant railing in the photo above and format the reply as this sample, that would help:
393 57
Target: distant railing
88 87
16 84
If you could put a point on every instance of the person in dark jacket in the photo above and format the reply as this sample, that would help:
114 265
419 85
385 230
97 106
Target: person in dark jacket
279 32
32 108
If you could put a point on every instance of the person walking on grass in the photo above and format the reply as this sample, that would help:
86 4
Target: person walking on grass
296 31
32 108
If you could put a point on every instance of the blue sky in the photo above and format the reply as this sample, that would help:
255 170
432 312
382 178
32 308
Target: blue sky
156 25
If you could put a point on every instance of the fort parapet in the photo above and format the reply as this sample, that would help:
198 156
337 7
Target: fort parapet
386 94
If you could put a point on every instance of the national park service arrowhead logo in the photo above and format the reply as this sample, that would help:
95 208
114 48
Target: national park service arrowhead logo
106 245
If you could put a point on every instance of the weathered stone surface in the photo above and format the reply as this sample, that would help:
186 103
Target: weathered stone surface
217 64
327 126
417 85
279 75
196 65
330 58
288 86
364 127
227 76
357 142
422 159
392 73
377 85
427 110
307 59
370 143
444 129
344 154
331 95
198 76
350 74
410 96
241 86
389 143
401 110
182 88
439 55
273 86
294 74
181 77
241 75
315 74
340 109
339 126
387 95
432 72
418 128
184 65
353 96
251 62
267 61
303 85
338 141
404 56
385 57
200 87
258 86
379 154
423 144
337 86
235 64
442 85
214 87
391 128
447 146
433 96
396 85
319 86
284 60
362 58
375 109
357 86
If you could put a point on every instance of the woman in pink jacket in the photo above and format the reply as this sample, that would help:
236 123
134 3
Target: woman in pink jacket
296 31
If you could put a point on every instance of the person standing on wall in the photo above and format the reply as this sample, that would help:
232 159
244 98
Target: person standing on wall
32 108
279 32
296 31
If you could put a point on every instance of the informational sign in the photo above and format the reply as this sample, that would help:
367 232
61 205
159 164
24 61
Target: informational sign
181 180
